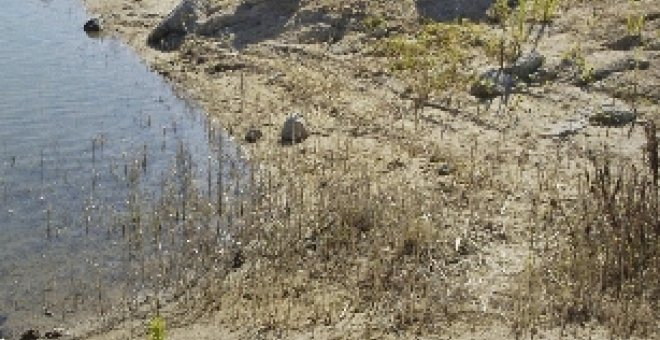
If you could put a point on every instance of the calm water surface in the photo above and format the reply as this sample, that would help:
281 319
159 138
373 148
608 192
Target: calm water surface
78 117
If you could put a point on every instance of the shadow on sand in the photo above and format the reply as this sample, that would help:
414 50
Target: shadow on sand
253 21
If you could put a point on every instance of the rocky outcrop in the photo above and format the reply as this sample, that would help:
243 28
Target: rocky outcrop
183 20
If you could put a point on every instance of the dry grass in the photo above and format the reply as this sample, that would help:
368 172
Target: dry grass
599 254
338 235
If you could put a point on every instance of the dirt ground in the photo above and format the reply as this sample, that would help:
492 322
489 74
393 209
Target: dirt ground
360 112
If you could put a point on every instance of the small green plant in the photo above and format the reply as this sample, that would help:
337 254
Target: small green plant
635 24
501 11
435 58
519 35
374 22
584 72
545 10
156 328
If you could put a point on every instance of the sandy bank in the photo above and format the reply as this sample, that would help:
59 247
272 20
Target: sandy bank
453 184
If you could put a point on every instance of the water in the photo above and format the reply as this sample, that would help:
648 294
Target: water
84 126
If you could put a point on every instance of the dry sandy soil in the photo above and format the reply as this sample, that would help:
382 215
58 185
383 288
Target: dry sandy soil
361 116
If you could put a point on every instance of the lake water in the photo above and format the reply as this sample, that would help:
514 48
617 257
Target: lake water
87 134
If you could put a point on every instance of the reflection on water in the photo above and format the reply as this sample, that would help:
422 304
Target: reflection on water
86 132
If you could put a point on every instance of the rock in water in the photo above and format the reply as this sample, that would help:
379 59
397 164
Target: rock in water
492 83
294 130
92 25
526 65
171 32
253 135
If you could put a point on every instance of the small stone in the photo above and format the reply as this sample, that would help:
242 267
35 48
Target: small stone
445 170
294 130
237 259
92 25
253 135
30 334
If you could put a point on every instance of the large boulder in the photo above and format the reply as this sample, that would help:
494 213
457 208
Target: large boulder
294 130
183 20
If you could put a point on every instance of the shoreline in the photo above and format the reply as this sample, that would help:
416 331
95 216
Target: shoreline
365 144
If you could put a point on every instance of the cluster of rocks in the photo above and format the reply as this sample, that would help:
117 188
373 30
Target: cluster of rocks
294 130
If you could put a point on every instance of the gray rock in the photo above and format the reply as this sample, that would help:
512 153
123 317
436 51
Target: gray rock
253 135
613 115
294 130
170 33
527 65
492 83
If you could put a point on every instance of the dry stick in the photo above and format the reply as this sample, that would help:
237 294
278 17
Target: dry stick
242 92
220 175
